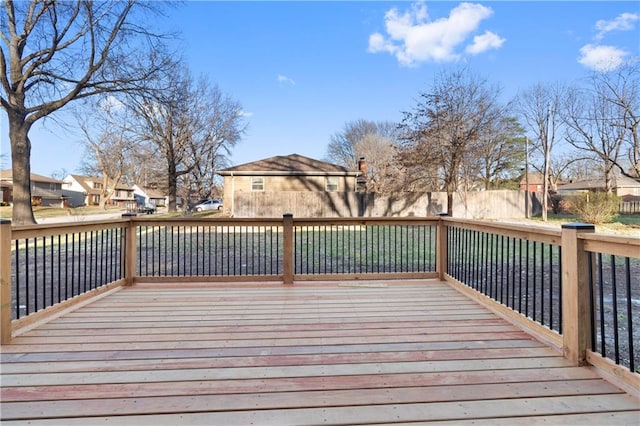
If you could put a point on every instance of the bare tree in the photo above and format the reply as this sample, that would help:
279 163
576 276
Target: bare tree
107 142
144 166
540 108
589 118
55 52
446 126
192 125
374 141
582 169
618 92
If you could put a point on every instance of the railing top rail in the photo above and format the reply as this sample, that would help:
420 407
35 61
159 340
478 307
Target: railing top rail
202 221
412 220
618 245
530 233
45 230
619 239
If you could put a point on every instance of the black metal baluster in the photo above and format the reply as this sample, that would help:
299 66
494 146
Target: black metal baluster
632 343
526 283
551 284
603 350
66 266
73 263
16 267
542 279
184 248
535 277
177 250
592 302
502 267
27 279
35 273
59 268
520 275
614 300
560 289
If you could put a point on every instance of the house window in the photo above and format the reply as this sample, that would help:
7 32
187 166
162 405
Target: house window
257 184
331 183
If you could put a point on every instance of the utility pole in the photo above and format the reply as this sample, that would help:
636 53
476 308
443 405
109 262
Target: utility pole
526 178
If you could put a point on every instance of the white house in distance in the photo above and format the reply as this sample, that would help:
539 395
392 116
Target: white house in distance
145 196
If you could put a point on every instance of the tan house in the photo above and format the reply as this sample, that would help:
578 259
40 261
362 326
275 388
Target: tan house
88 190
45 191
622 186
290 173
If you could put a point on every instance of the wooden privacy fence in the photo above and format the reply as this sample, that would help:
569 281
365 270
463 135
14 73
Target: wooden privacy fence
575 289
473 204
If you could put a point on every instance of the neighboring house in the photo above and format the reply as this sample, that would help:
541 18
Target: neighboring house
45 191
6 192
146 196
536 181
622 185
88 190
290 173
82 190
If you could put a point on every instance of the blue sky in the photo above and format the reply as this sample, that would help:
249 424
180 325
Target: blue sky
301 70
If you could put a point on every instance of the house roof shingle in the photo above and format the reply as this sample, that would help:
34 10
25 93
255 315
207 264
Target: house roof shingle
618 182
83 181
289 165
8 176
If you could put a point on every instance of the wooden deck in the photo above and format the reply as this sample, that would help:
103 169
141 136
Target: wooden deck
323 353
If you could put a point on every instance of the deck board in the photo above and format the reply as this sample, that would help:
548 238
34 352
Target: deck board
416 352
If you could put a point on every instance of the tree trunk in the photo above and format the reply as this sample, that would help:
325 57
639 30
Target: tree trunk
21 168
449 203
545 183
172 187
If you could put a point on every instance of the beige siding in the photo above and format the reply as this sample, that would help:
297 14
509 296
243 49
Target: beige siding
277 184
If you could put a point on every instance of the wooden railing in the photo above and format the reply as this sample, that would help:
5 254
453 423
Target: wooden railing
574 289
555 283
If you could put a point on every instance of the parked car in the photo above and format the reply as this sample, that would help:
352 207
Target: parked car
146 208
208 205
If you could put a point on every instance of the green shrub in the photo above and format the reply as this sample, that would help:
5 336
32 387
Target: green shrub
593 207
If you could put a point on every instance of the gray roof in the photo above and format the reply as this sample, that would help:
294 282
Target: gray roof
288 165
618 182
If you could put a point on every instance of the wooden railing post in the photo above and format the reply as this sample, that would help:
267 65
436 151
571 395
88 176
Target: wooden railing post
130 249
441 248
287 249
5 282
576 324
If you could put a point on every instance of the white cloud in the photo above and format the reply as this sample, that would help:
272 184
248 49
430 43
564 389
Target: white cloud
412 37
601 58
623 22
484 42
285 79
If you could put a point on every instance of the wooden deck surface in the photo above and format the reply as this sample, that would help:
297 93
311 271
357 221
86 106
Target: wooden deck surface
330 353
